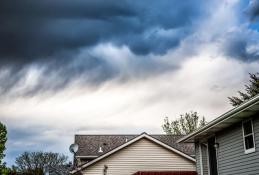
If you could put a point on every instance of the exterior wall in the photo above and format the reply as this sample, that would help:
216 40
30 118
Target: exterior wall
204 151
201 159
142 155
197 156
231 156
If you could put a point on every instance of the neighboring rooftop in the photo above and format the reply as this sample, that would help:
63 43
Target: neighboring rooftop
89 144
115 143
58 169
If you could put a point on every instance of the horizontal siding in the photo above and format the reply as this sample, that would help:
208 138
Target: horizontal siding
204 159
197 155
143 155
231 156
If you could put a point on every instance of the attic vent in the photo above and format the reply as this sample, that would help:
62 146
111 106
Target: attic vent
100 150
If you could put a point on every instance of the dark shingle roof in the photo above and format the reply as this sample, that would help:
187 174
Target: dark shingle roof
89 144
59 169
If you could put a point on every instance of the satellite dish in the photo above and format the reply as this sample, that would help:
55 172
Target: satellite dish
73 148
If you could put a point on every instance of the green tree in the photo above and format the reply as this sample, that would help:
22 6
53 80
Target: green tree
33 163
251 90
7 171
3 139
186 124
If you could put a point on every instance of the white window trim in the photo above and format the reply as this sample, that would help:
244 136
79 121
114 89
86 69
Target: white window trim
251 150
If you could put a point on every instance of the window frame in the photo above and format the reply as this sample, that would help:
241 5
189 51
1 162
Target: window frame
251 150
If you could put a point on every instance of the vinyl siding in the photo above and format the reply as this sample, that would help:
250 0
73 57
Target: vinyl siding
197 156
203 159
142 155
231 156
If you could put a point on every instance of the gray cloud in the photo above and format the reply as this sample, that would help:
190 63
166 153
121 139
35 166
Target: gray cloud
241 44
31 138
36 29
253 10
50 34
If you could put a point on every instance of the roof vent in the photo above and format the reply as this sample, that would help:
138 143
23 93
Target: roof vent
100 150
126 140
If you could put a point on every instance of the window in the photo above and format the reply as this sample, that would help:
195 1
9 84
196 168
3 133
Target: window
248 135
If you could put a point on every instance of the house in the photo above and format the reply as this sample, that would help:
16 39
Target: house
130 154
230 143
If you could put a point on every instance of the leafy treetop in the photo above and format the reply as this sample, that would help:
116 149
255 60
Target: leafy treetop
3 139
33 163
184 125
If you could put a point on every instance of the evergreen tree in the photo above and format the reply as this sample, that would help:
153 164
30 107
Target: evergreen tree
251 90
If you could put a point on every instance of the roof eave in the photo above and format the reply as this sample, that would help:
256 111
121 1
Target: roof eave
227 115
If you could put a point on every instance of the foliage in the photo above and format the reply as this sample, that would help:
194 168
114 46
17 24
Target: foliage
33 163
3 139
251 90
7 171
186 124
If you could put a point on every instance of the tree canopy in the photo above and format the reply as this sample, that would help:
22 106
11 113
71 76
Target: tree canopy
33 163
3 139
186 124
251 90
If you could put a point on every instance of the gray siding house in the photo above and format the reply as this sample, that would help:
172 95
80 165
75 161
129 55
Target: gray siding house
230 143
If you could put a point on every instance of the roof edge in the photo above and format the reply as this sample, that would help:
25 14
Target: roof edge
221 118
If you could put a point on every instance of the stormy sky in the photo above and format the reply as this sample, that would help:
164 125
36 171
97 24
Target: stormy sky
117 67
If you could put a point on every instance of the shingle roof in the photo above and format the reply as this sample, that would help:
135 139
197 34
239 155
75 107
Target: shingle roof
58 169
89 144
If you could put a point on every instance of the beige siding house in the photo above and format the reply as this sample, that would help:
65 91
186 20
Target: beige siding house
142 153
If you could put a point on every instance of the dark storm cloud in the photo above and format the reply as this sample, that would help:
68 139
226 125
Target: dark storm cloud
253 10
51 33
238 48
242 43
36 29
